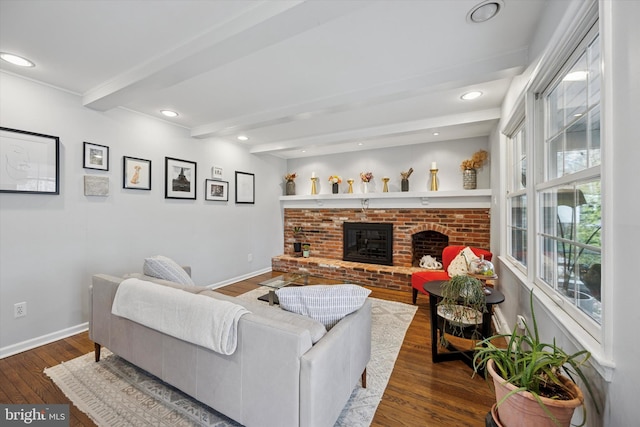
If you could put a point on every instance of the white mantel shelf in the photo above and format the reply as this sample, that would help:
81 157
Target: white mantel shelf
409 199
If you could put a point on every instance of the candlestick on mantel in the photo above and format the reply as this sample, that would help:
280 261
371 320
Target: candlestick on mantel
433 166
314 188
434 178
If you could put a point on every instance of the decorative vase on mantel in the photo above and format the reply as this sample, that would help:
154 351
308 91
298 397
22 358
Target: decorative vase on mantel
290 188
334 188
404 184
469 179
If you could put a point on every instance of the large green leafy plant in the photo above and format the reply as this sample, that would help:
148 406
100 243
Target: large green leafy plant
533 366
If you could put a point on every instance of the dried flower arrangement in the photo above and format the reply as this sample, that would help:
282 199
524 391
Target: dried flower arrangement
366 176
478 159
335 179
290 176
407 174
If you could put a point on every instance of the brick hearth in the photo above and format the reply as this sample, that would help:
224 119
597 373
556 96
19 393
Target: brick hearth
322 229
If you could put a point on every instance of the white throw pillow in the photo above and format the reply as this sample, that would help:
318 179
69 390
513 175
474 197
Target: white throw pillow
165 268
460 264
327 304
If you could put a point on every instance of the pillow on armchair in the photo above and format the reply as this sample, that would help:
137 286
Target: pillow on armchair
327 304
460 264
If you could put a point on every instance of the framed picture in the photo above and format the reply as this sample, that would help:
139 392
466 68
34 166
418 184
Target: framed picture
96 156
96 185
216 172
136 173
245 187
29 162
216 190
180 179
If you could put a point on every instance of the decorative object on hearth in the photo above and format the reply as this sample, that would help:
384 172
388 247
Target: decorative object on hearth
469 169
290 185
404 183
366 178
434 176
534 381
306 249
350 182
385 186
335 180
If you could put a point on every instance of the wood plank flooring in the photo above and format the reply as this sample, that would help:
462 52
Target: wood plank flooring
419 392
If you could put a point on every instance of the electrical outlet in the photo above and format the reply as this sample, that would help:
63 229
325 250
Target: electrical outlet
19 309
521 321
250 257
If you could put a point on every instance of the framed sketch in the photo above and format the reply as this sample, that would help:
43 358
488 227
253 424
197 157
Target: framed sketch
216 190
96 156
245 187
29 162
96 185
216 172
136 173
180 179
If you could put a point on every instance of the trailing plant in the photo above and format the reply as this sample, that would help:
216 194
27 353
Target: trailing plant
533 366
463 304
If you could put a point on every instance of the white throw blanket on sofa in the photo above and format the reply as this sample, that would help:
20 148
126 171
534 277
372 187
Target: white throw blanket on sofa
198 319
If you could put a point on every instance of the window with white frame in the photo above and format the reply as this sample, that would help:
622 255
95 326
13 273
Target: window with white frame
569 193
517 197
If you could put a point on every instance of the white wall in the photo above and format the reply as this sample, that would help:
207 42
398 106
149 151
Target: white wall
51 245
390 162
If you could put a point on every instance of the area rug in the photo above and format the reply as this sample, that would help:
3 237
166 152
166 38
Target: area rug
115 393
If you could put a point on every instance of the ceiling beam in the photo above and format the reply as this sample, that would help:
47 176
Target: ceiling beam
379 132
266 24
506 65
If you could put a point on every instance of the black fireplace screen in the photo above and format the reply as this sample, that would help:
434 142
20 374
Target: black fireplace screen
368 242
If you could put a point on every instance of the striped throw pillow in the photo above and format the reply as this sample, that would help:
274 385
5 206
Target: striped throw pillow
165 268
327 304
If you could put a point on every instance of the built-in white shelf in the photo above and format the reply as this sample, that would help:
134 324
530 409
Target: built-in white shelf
437 199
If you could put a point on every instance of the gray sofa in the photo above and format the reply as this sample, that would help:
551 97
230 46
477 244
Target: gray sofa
275 377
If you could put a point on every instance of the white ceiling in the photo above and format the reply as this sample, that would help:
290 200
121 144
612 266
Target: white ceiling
319 75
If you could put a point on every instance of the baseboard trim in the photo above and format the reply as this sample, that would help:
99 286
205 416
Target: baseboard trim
239 278
13 349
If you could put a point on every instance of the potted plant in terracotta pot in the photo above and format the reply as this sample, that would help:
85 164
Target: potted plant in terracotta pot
533 381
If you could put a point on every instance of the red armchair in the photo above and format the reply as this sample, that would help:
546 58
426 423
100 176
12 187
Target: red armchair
448 254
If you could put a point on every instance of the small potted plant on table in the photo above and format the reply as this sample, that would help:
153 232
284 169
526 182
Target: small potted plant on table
527 374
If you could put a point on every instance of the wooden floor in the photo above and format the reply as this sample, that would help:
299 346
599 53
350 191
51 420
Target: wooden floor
419 392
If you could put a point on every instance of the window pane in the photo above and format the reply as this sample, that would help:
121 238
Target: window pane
590 275
576 156
555 157
520 143
519 229
574 85
555 112
588 215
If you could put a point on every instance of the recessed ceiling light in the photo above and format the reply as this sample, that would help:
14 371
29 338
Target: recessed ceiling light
471 95
360 144
169 113
243 138
576 76
484 11
436 133
16 60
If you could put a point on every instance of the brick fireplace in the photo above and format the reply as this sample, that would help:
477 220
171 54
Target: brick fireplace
416 232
